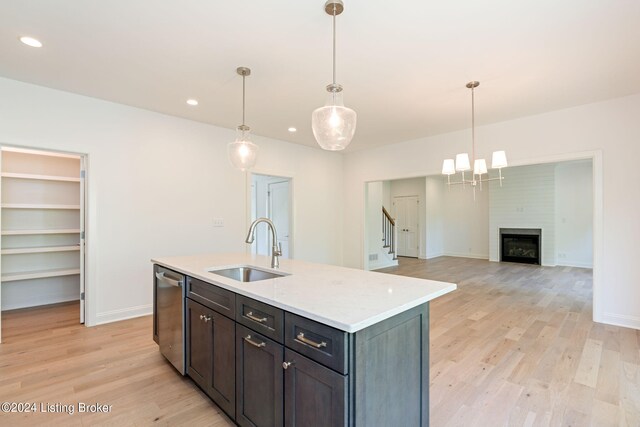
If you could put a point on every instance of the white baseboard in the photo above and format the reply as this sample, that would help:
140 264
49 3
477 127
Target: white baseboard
434 256
574 264
466 255
385 264
123 314
28 304
623 320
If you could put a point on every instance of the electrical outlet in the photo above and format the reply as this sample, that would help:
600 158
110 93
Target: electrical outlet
218 222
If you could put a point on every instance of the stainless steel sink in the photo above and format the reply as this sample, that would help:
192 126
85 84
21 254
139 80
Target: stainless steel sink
247 273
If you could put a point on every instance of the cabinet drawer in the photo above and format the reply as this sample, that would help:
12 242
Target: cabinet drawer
212 296
318 342
260 317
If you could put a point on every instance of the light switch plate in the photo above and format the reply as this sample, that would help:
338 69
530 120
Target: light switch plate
218 222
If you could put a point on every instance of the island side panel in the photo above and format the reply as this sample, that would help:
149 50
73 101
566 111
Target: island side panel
392 371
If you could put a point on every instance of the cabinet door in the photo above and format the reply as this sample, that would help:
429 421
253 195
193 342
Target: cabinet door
211 354
313 395
199 343
258 379
222 382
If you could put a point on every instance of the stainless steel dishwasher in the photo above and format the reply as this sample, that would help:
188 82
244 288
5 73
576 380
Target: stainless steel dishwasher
169 328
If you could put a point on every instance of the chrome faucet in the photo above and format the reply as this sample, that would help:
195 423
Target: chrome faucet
276 248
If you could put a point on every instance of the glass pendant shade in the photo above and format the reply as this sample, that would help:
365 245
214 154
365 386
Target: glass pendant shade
334 124
499 160
448 167
479 167
242 152
462 162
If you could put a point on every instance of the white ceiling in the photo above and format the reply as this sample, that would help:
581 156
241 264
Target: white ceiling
404 63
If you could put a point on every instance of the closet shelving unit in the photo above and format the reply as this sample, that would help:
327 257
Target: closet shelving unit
41 227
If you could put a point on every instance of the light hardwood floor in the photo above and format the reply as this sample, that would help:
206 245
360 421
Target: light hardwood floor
47 357
514 345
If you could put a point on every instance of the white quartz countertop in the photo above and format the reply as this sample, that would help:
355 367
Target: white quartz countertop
344 298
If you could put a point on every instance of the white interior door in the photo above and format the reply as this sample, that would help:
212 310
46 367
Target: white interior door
406 214
278 196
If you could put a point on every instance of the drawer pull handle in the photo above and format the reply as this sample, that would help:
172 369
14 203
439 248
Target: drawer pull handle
285 365
253 343
254 318
205 318
300 337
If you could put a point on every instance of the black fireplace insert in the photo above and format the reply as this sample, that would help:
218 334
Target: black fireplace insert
520 246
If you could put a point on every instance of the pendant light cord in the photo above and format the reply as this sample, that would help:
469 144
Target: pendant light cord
243 79
334 44
473 127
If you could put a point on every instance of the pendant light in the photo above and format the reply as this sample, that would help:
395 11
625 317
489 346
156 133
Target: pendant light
462 163
334 124
242 152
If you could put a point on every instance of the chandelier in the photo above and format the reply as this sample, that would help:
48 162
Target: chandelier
334 124
462 163
242 152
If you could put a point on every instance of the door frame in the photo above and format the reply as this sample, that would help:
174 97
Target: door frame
87 315
292 206
270 206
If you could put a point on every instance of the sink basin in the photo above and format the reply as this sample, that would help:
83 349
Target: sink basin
247 274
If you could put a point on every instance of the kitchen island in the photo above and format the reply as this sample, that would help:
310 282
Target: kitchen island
320 345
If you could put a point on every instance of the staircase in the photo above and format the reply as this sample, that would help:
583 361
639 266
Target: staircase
389 233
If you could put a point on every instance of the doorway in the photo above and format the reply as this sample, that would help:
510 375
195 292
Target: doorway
406 213
43 238
271 198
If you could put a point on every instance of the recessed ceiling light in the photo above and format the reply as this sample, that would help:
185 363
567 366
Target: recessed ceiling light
30 41
193 102
292 129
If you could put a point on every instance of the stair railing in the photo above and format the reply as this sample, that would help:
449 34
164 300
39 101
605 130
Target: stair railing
389 232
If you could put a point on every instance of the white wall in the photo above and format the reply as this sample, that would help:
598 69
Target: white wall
435 218
466 221
525 200
155 184
611 128
373 221
574 213
412 187
386 195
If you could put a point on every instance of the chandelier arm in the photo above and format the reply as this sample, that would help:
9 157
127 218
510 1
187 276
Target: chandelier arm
500 178
466 181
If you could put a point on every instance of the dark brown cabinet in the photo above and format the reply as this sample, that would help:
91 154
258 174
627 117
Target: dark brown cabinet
211 354
258 379
268 367
313 395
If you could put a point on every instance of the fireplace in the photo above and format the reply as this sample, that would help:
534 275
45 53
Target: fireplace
520 245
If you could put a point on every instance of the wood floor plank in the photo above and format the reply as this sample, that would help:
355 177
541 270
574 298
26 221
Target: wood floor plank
589 366
546 314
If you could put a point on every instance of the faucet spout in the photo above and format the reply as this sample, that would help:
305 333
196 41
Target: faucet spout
276 249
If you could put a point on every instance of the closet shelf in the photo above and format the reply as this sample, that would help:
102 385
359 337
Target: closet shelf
41 249
32 232
39 153
40 177
38 206
27 275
